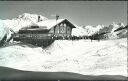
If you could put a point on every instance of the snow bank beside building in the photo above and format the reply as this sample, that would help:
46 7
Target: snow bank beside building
84 57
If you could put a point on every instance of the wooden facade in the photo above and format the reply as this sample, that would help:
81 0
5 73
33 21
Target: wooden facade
61 29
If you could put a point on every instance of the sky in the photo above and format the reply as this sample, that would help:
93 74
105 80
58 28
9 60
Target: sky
77 12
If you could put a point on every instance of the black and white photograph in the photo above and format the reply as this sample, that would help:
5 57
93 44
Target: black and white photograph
63 40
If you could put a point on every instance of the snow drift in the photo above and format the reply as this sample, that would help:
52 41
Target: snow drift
84 57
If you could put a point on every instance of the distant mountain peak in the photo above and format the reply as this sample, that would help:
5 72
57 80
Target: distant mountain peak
117 24
32 17
121 24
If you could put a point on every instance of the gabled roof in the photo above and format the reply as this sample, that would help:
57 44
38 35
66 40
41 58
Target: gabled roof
52 22
47 24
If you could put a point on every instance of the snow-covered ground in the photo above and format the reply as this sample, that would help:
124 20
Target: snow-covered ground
107 57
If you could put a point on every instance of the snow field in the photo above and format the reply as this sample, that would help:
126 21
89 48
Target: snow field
82 56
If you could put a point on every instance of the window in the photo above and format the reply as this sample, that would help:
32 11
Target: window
57 29
61 24
34 26
62 29
64 25
68 29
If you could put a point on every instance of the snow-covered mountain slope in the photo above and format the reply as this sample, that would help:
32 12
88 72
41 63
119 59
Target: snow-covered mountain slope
79 31
5 34
21 21
32 17
116 26
8 27
113 31
86 30
85 57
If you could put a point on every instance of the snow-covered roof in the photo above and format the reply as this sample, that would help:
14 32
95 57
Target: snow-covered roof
48 24
51 23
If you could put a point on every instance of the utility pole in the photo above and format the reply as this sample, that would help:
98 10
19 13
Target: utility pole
57 17
127 12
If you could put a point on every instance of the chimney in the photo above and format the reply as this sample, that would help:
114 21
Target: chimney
38 18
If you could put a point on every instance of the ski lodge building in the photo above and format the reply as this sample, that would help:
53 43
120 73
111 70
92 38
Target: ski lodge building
45 30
